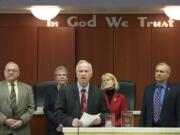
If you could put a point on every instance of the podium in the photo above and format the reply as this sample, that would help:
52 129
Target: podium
39 127
122 131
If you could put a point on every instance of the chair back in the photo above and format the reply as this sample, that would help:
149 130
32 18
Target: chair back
128 88
40 91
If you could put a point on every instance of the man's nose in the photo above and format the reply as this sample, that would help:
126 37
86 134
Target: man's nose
11 71
158 73
83 73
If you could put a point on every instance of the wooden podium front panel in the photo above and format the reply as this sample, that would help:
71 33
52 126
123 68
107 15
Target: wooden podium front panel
39 125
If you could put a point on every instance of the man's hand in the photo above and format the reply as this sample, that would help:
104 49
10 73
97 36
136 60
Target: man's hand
17 124
97 121
13 123
76 123
10 122
59 128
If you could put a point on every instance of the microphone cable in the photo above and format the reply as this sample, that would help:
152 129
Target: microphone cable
77 112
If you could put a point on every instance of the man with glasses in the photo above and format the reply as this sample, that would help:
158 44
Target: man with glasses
16 103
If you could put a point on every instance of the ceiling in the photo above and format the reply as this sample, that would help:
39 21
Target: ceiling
90 6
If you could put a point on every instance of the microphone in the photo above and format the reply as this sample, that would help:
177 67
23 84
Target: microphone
77 109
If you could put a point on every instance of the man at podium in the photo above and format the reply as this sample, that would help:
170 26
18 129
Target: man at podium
80 98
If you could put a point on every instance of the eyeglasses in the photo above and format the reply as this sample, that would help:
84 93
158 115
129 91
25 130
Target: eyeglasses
12 70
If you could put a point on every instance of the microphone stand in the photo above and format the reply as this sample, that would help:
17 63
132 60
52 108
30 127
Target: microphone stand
77 107
77 112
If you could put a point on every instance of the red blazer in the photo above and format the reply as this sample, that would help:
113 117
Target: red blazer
117 105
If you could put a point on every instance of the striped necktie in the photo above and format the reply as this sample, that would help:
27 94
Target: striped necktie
157 105
13 99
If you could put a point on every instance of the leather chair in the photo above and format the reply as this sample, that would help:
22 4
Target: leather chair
128 88
40 90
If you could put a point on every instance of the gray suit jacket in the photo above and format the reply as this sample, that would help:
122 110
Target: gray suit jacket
24 111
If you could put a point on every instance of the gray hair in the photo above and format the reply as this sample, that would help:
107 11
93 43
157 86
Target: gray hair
86 62
165 64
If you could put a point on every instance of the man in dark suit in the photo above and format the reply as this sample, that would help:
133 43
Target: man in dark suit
81 97
16 103
163 109
61 78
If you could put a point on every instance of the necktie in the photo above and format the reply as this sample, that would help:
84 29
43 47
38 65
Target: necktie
13 99
83 101
157 105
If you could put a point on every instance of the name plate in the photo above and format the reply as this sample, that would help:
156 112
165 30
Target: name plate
127 119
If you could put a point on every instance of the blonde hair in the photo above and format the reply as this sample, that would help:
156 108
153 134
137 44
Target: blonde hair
62 68
116 84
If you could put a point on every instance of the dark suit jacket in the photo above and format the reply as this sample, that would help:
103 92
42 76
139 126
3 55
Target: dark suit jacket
117 105
68 104
170 113
49 109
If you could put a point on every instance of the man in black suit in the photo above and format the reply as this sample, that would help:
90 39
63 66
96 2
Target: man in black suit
69 105
61 78
168 104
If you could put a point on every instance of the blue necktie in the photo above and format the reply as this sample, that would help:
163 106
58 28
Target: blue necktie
157 105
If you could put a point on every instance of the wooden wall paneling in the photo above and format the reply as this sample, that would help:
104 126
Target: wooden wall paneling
56 47
20 20
166 48
132 58
96 46
19 44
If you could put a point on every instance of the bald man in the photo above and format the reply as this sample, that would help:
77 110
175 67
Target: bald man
16 103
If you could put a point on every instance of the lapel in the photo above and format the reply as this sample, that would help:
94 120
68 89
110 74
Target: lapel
75 93
76 99
151 94
116 98
6 90
90 97
167 91
20 93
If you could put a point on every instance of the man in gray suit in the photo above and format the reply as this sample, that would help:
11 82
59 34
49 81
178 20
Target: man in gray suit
16 103
81 97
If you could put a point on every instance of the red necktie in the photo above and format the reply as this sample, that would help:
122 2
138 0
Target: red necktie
83 101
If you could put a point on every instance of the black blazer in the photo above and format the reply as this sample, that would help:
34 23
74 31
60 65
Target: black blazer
68 104
170 113
49 109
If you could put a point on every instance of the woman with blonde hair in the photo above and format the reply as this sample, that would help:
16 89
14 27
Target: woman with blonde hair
115 101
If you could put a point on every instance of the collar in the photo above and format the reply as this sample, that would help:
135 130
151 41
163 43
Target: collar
80 87
163 85
9 83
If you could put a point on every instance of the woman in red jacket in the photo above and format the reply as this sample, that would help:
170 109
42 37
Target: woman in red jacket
116 101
